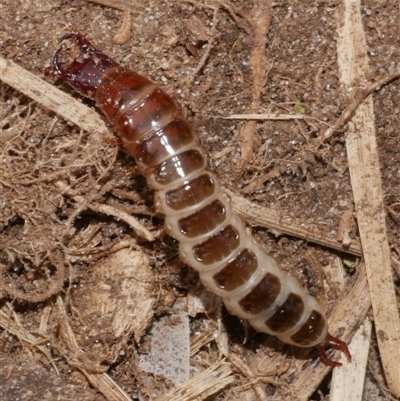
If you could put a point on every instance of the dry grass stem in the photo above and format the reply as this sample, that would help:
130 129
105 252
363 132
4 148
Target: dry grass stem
200 341
52 98
261 19
200 387
103 383
122 5
368 194
258 215
273 117
348 382
124 32
108 210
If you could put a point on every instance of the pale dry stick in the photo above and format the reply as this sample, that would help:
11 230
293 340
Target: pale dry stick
345 224
367 190
264 217
348 382
212 380
44 319
125 194
276 117
222 339
53 99
200 341
108 210
261 16
222 153
119 4
107 386
124 32
337 276
268 116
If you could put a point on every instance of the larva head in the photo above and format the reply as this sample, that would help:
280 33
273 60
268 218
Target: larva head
85 69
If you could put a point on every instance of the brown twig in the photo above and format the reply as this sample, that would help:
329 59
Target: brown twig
261 17
264 217
359 96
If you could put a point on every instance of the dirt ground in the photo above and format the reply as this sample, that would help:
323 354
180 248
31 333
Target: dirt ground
67 291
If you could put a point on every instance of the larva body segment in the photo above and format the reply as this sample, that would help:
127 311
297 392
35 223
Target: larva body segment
212 239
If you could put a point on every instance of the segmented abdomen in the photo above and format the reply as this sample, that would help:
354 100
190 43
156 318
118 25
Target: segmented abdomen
212 239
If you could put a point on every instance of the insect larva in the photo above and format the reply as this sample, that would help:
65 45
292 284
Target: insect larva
212 239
